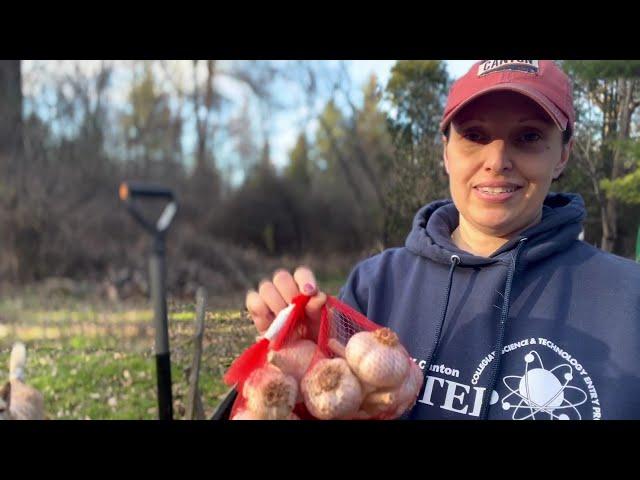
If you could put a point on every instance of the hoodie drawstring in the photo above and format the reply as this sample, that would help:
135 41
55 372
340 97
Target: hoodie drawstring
484 412
455 260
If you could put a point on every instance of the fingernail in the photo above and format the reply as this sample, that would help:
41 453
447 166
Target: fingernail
309 289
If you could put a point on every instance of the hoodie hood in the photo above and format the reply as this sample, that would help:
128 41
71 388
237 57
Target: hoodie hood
561 223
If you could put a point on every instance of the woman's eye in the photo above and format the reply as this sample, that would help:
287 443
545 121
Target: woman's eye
530 137
474 136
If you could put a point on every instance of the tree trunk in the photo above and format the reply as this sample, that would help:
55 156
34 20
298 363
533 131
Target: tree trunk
11 152
609 226
610 220
11 142
202 123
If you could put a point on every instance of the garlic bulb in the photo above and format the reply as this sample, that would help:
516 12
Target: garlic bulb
270 394
247 414
379 402
331 390
392 403
377 358
336 347
293 359
407 393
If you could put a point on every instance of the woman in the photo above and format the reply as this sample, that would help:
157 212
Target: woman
499 268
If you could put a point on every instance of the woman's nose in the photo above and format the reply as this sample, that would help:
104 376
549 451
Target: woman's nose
497 156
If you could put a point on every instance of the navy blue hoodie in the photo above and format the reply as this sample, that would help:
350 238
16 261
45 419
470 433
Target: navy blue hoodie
565 315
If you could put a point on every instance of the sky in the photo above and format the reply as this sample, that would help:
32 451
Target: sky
284 138
282 128
362 68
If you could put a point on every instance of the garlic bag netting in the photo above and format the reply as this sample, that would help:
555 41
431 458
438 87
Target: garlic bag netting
345 368
267 375
369 372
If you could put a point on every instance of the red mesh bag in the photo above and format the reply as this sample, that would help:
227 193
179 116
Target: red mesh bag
348 367
265 392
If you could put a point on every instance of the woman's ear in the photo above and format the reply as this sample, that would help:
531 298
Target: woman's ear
444 154
564 159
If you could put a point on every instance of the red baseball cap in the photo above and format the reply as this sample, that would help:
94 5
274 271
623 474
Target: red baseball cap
540 80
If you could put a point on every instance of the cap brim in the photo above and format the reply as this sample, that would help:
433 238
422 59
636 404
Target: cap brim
559 118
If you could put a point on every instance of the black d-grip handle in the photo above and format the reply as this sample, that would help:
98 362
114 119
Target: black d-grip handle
129 191
132 190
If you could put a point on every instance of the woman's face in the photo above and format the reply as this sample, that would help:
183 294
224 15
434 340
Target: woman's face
502 154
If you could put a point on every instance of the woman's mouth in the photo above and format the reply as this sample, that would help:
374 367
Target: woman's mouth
496 193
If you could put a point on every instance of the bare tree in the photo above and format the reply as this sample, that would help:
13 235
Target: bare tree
606 103
10 108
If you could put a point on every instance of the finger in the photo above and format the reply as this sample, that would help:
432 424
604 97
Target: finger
314 306
306 280
313 311
286 285
259 311
271 296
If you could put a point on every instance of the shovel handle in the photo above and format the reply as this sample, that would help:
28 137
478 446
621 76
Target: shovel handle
132 190
128 191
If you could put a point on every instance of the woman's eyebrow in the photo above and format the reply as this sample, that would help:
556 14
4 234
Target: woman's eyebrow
536 118
464 120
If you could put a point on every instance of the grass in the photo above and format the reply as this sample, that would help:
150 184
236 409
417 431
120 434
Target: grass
108 372
94 360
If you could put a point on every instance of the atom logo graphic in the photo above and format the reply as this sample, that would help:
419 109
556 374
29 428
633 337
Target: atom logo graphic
542 393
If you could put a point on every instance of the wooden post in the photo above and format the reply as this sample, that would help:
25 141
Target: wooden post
195 410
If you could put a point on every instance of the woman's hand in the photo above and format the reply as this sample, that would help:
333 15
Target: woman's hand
275 294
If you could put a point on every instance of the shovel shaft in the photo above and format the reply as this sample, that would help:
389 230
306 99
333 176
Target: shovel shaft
157 276
163 358
165 402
